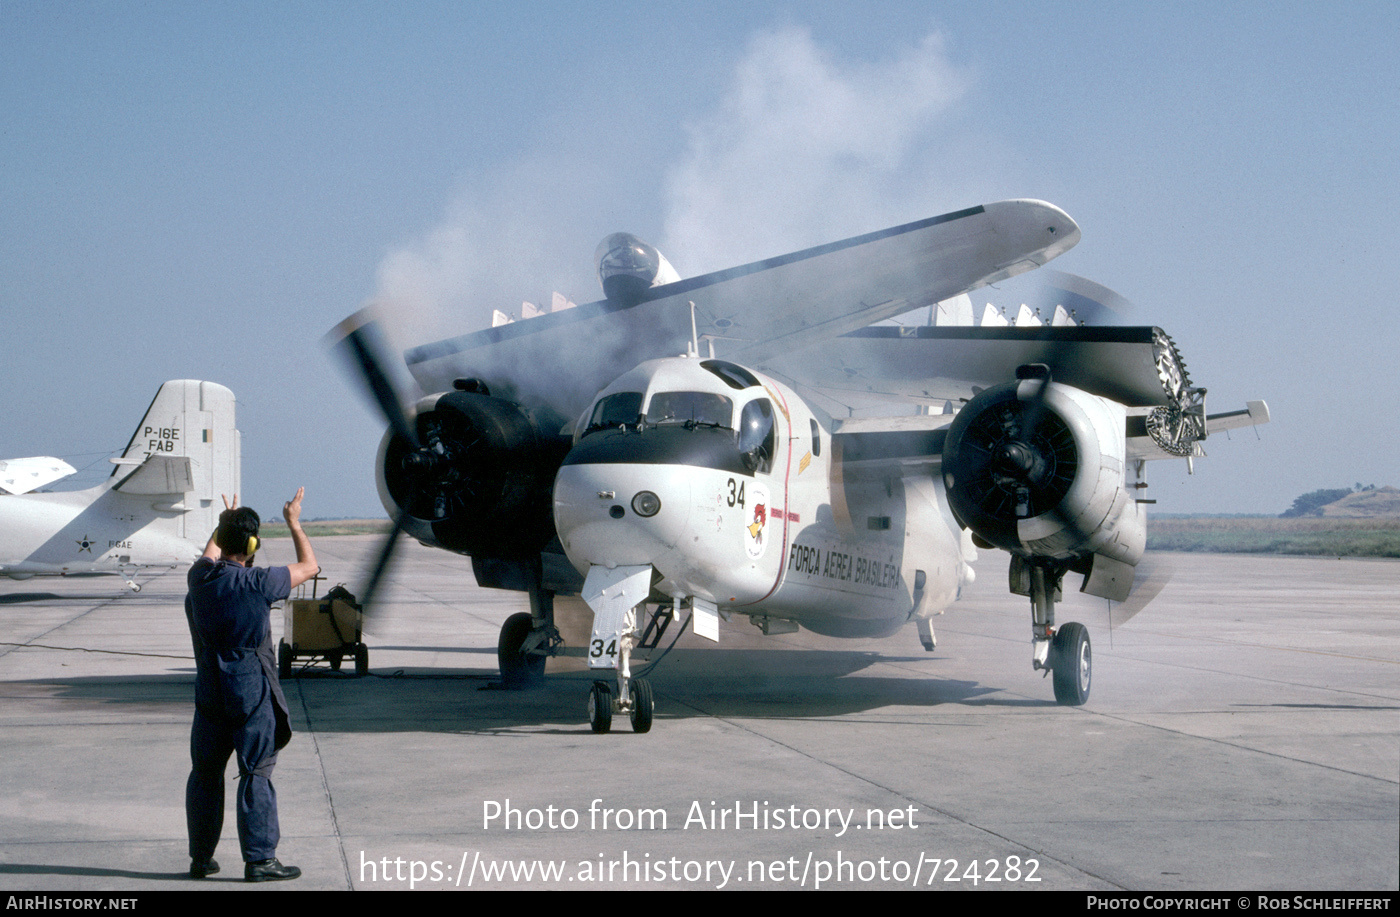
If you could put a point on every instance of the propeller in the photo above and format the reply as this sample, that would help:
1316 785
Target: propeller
360 344
1015 458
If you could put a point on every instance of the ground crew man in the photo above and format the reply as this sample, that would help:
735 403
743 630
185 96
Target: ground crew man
239 706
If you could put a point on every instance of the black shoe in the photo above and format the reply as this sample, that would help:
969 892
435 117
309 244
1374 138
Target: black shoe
268 871
201 868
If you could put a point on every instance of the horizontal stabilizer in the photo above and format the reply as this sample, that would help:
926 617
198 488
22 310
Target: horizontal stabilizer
21 475
1254 413
159 475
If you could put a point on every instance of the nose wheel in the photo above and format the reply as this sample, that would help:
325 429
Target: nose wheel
602 705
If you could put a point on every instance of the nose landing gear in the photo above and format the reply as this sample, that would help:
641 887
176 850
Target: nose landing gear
638 706
615 595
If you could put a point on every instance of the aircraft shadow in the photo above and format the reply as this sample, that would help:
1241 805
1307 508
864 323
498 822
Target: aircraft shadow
799 683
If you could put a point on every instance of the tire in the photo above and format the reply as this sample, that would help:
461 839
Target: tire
640 690
600 707
284 660
1074 664
518 670
361 660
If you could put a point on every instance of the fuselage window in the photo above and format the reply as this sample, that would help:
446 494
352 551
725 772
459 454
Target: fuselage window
691 408
757 435
816 439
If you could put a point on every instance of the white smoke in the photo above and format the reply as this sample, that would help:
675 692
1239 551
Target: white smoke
507 239
806 148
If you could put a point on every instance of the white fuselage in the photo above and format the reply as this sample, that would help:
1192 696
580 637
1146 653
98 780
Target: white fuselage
795 535
88 531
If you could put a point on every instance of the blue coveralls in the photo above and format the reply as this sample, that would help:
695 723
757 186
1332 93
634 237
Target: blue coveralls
239 707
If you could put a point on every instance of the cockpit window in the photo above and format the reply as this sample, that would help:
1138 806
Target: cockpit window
615 410
734 375
694 408
757 435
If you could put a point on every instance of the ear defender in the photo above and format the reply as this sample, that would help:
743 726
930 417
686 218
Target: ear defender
252 545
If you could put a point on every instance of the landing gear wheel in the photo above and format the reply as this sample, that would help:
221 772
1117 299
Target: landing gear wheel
284 660
640 691
1073 663
600 707
518 670
361 659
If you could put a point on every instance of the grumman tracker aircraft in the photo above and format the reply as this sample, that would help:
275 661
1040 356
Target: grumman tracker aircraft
155 510
810 469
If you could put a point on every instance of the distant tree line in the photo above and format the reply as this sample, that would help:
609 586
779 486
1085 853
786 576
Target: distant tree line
1311 504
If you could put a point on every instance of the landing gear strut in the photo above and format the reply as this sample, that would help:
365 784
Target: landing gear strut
527 640
615 596
1064 651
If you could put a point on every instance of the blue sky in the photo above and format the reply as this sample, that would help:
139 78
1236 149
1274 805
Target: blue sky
202 190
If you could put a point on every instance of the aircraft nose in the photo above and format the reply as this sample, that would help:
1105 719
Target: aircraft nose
621 515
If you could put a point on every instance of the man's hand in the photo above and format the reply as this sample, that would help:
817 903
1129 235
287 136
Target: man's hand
291 511
305 567
226 503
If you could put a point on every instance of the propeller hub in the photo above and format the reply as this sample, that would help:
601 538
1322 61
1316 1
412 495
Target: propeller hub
1016 459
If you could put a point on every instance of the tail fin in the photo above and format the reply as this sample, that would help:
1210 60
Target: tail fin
193 422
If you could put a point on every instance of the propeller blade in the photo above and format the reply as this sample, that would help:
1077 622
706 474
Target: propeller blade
1089 303
381 564
360 342
1152 577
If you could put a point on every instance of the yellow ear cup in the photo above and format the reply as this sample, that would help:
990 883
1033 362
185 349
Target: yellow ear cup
252 545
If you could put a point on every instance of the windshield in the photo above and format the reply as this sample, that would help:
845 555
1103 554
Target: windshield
615 410
693 408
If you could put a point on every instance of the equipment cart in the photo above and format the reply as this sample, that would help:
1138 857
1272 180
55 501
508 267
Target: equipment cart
322 629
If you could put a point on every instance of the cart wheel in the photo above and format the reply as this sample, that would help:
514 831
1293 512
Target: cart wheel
284 659
334 660
361 659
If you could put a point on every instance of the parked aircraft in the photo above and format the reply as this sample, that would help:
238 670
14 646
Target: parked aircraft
157 507
810 469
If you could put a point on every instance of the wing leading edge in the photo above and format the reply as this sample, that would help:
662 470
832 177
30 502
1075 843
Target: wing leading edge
757 310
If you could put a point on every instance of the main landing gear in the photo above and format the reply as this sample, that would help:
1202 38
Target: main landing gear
527 639
1065 651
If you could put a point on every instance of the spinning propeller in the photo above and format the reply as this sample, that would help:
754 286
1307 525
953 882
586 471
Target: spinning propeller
359 341
472 472
1023 462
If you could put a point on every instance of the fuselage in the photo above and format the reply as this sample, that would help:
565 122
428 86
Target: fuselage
733 489
88 531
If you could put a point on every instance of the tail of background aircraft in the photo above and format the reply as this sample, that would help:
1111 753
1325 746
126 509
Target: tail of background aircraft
184 456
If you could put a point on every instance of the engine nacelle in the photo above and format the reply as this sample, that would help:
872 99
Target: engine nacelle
1041 473
480 482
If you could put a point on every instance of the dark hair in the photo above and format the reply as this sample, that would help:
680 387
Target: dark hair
235 527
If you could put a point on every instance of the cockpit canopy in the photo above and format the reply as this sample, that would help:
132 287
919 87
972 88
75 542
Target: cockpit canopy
712 395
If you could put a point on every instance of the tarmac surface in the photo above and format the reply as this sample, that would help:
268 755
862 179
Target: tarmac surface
1243 733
